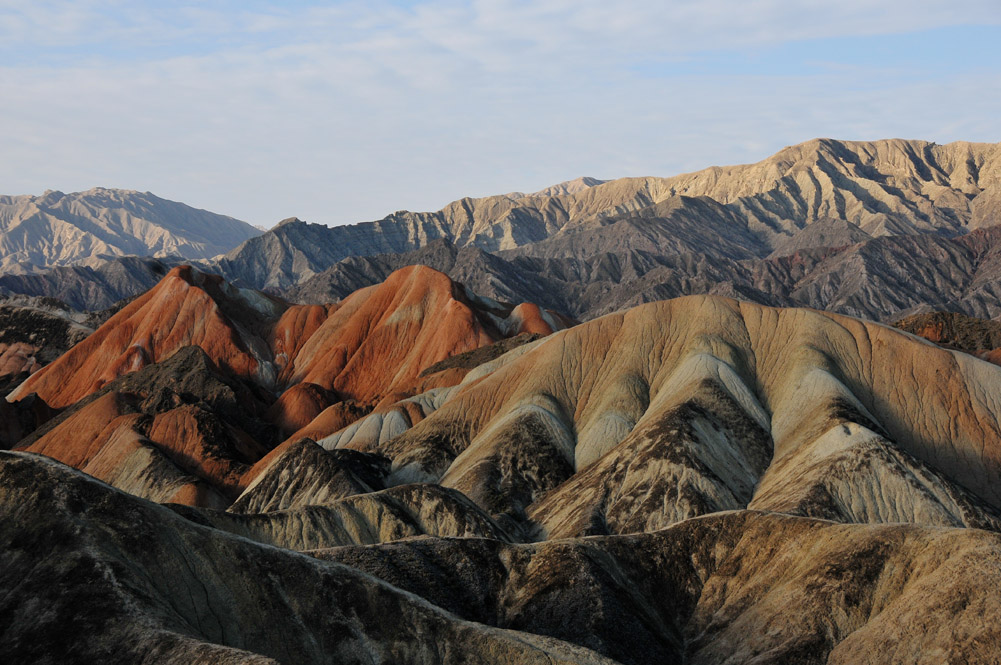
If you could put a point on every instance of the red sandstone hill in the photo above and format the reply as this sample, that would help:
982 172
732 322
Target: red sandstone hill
187 308
380 338
174 397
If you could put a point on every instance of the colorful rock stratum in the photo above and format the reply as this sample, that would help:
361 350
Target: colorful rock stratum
410 471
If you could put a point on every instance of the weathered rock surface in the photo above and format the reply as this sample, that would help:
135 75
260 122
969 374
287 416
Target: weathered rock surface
99 285
397 513
678 409
735 587
739 587
979 337
90 574
36 331
57 229
186 308
379 340
891 187
178 430
301 473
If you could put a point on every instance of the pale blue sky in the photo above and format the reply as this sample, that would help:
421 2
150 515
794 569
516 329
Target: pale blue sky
346 111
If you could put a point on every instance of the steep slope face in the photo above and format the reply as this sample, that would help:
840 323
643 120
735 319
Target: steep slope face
822 233
675 226
34 332
179 430
300 473
157 586
397 513
378 340
741 587
60 229
890 187
677 409
187 307
95 286
884 187
732 588
979 337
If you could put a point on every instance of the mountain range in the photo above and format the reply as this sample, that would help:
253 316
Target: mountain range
878 229
632 421
220 476
57 229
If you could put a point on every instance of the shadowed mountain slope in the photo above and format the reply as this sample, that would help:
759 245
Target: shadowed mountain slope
741 587
881 278
157 586
96 286
36 331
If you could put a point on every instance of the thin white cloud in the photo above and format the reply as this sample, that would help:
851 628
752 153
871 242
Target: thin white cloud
345 112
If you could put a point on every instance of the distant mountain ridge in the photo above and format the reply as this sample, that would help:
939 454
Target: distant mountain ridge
57 229
888 187
877 229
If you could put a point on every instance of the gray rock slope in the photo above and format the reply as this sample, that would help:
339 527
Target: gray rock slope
882 278
878 229
91 574
891 187
57 229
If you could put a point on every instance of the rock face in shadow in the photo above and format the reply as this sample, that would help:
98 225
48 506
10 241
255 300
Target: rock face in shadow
101 284
979 337
34 332
301 473
123 580
179 430
735 587
739 587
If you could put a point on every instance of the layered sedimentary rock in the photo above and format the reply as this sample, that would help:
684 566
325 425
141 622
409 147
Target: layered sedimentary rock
979 337
737 587
380 339
672 410
177 395
186 308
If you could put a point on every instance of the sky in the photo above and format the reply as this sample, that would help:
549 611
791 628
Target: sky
342 112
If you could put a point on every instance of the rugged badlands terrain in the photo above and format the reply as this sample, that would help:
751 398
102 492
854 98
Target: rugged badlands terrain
420 474
879 230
